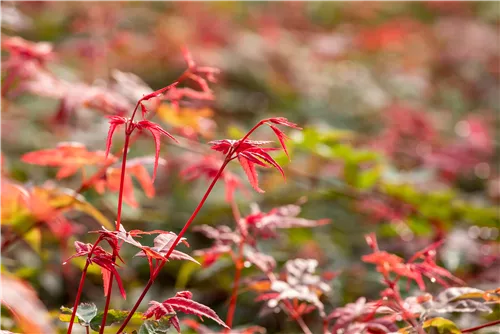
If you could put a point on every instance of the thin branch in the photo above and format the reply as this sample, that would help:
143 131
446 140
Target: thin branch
473 329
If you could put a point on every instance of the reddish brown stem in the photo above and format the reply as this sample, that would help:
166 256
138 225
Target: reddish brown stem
184 229
234 294
82 281
239 268
128 132
473 329
297 317
408 316
78 295
122 181
303 325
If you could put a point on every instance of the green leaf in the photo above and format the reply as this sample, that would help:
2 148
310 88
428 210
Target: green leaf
154 327
441 326
368 178
84 314
114 316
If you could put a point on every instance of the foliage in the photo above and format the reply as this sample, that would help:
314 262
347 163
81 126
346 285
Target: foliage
380 126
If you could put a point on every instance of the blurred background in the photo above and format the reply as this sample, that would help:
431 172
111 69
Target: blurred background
399 102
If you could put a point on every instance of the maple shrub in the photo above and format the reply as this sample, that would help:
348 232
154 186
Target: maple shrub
112 265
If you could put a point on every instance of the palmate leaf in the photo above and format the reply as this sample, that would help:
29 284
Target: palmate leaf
265 224
181 302
207 167
69 156
114 123
156 132
101 258
411 269
162 244
135 167
249 169
250 152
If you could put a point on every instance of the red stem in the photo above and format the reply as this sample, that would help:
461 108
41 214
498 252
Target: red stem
78 294
473 329
234 294
239 268
303 325
399 300
184 229
128 132
122 181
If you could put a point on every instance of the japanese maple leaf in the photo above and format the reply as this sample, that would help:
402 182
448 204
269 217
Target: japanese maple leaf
264 224
201 75
282 137
69 156
359 311
224 238
208 168
162 244
390 263
300 283
250 153
97 255
181 302
135 167
264 262
155 130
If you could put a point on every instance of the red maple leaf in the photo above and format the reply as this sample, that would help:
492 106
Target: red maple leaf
208 167
114 123
155 129
250 153
389 263
224 238
201 75
265 224
162 244
97 255
69 156
181 302
135 167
